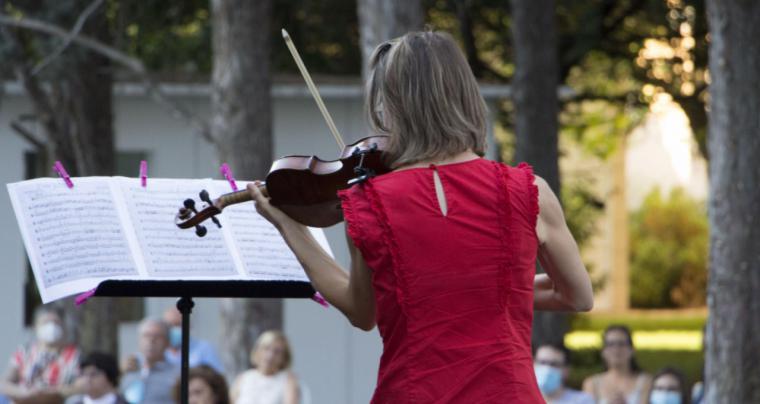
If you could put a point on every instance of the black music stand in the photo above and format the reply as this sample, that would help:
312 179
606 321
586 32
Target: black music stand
187 290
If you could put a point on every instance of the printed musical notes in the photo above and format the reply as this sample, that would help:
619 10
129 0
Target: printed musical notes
166 250
113 227
71 234
263 252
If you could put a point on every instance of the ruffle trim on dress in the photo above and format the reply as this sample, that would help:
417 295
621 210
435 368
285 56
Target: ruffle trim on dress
389 239
505 214
508 247
352 223
532 192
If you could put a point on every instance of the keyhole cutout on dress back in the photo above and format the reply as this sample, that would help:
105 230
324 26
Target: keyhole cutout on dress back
442 205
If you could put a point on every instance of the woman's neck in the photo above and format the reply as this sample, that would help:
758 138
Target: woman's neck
457 158
620 371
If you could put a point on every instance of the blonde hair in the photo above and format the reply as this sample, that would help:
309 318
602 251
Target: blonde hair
422 93
268 337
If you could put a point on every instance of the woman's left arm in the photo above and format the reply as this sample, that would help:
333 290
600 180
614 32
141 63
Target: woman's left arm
351 293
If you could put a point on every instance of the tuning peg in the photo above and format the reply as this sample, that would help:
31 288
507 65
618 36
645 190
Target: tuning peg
184 213
189 204
200 231
205 198
216 222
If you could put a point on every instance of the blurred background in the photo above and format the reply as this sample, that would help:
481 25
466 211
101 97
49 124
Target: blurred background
606 99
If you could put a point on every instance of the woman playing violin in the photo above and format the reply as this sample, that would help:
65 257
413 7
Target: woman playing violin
443 248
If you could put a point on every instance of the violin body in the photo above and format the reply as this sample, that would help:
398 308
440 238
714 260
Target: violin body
303 187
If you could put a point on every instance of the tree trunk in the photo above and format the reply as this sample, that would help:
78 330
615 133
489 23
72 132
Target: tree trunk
242 129
536 113
76 116
381 20
733 331
88 96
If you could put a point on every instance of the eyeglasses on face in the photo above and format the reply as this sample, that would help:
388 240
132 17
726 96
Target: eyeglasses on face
616 344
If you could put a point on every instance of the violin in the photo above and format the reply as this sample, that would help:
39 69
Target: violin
303 187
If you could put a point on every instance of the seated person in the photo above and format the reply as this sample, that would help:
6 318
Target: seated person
45 370
201 352
551 363
205 386
152 382
98 378
668 387
270 381
622 382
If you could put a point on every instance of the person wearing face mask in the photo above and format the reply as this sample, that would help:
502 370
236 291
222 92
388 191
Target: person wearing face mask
270 381
551 363
200 352
668 387
44 371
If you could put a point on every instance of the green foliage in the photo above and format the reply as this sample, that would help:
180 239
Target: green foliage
175 37
668 247
169 37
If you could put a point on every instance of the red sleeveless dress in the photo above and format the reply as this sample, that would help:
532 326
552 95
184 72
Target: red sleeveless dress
454 293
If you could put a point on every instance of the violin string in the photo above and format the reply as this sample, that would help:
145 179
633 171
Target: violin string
313 89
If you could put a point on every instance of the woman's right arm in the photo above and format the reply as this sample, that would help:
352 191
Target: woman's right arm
566 285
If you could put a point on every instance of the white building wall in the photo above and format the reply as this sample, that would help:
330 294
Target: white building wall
336 362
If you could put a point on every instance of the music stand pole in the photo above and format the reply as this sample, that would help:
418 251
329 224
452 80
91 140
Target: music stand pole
185 306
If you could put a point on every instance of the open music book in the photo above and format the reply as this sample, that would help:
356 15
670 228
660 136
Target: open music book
113 228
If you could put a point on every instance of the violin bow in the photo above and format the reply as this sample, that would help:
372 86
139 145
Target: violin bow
313 89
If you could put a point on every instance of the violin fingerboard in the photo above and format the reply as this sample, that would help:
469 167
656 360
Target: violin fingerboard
233 198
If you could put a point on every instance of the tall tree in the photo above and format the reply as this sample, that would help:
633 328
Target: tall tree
76 117
381 20
534 94
241 129
733 332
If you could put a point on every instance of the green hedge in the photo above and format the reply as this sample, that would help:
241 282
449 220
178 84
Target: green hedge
640 321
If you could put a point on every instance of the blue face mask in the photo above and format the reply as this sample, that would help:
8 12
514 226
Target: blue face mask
549 378
135 392
175 337
665 397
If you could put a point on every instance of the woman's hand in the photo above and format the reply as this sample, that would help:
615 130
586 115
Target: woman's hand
274 215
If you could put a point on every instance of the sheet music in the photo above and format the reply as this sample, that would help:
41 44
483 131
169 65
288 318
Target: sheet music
262 251
167 250
113 228
71 234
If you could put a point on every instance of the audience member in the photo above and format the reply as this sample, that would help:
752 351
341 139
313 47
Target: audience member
270 381
668 387
153 381
98 379
623 382
205 386
45 370
552 364
200 352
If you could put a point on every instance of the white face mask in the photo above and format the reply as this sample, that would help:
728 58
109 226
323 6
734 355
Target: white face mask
49 332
